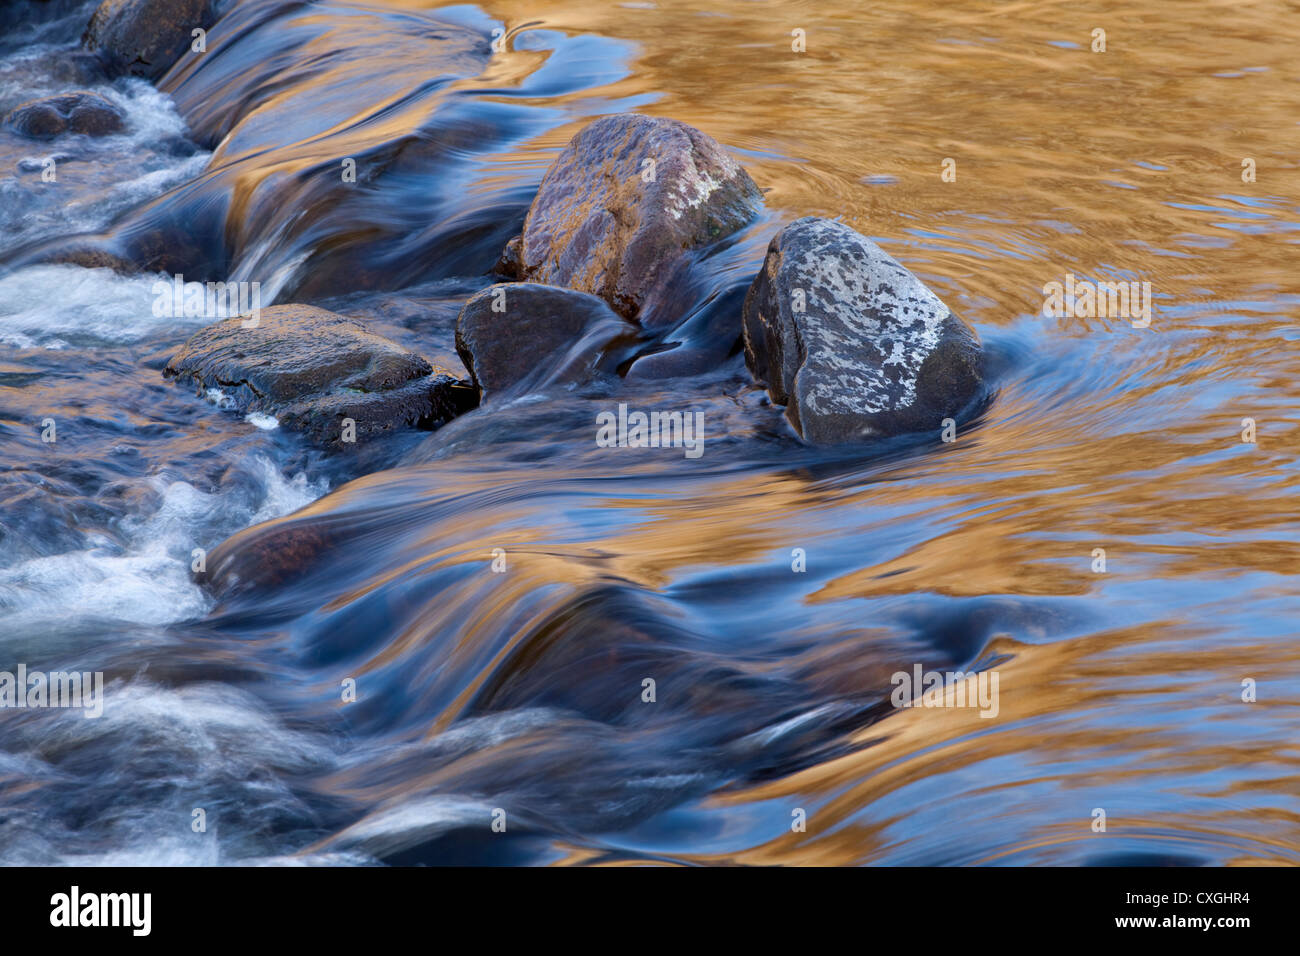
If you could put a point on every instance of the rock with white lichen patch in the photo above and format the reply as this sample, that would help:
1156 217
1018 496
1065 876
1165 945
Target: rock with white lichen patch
854 345
624 204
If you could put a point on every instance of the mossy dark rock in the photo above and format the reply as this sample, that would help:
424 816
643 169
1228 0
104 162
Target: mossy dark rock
145 37
854 345
515 332
311 369
624 204
78 112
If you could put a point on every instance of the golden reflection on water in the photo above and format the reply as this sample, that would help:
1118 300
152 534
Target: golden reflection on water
1124 164
1066 158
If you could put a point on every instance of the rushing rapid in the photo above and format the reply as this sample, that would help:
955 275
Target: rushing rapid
369 655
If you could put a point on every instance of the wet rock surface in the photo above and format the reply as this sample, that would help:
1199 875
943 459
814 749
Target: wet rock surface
508 264
312 369
77 112
145 37
854 345
516 332
274 558
622 206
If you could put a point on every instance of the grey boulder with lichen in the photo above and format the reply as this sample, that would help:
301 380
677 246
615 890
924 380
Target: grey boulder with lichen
851 343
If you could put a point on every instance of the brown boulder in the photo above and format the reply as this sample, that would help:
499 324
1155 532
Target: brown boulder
624 204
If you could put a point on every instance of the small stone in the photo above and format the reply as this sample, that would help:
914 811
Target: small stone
508 264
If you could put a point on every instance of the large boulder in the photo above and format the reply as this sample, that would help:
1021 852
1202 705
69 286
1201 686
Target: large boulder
622 206
311 369
854 345
513 332
145 37
77 112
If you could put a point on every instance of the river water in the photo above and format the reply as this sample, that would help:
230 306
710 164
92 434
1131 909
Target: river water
770 590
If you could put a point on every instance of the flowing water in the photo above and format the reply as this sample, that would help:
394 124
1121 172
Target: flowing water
520 690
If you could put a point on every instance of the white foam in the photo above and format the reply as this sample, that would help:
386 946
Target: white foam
97 177
411 822
224 737
494 729
219 398
150 115
144 578
95 305
156 847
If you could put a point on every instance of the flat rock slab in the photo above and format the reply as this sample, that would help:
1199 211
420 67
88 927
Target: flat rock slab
145 37
77 112
515 332
311 369
623 204
854 345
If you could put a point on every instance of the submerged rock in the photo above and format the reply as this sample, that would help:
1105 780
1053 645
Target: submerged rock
515 331
145 37
312 369
853 344
270 557
623 204
77 112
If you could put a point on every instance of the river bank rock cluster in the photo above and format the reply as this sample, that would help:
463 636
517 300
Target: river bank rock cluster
851 343
843 336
